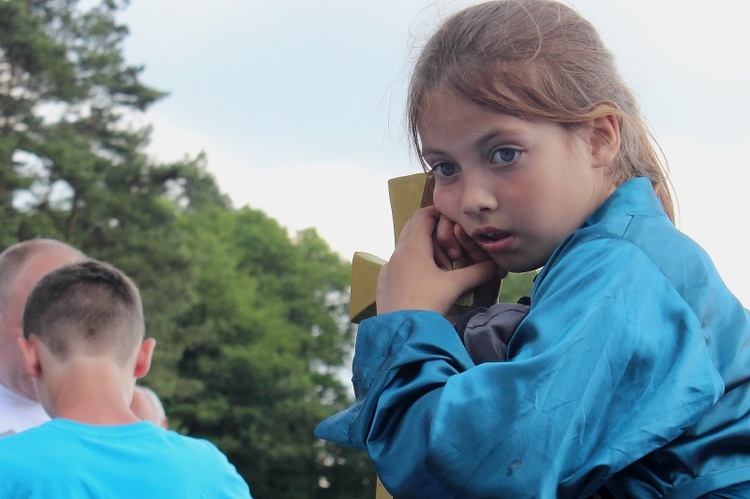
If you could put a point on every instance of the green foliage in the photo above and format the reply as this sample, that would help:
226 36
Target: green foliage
260 348
515 286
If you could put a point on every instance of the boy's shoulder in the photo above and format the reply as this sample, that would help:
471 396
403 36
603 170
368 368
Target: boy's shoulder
58 438
12 438
17 449
44 459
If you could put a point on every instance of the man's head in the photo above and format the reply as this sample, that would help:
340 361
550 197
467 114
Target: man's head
147 406
21 267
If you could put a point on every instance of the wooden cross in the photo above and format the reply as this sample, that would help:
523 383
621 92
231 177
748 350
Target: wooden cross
407 194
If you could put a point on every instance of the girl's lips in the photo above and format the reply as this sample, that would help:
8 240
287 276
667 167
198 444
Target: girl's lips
493 241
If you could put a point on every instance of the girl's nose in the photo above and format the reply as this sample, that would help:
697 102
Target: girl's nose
477 195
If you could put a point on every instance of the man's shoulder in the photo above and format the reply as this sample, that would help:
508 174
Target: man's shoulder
18 413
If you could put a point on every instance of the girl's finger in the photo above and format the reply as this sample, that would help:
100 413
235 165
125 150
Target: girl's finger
446 238
475 275
422 222
441 257
472 249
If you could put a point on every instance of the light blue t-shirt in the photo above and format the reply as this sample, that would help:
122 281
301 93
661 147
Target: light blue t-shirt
66 459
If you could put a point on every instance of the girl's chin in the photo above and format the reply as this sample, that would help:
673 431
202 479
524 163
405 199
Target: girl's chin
514 265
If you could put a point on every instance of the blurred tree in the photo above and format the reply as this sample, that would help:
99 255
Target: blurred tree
262 348
65 99
251 326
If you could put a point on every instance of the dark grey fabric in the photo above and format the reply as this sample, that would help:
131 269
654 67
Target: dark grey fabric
485 332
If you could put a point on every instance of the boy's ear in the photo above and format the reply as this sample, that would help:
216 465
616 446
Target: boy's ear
605 139
143 361
30 351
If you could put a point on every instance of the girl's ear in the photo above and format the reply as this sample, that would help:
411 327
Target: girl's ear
30 351
605 139
143 361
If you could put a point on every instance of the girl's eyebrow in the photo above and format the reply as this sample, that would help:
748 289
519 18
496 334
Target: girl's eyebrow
514 133
424 152
500 134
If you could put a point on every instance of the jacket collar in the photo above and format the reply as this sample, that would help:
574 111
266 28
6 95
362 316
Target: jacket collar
634 197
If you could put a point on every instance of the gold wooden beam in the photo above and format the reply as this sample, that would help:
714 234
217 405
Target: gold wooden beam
380 492
407 195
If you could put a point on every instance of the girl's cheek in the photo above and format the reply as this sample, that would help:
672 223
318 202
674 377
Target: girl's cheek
440 201
442 210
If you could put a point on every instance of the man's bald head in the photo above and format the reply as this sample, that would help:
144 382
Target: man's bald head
21 267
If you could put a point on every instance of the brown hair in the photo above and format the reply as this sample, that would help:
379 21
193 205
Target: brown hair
537 60
90 306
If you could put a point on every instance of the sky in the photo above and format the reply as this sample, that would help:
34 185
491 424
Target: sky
298 105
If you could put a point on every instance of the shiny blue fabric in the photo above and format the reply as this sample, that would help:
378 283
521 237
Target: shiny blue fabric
630 372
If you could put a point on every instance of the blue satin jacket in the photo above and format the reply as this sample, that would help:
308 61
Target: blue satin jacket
630 373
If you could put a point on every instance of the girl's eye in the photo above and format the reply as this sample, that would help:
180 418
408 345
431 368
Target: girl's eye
444 169
505 155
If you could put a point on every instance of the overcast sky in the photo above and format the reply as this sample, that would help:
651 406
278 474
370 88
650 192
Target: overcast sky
298 105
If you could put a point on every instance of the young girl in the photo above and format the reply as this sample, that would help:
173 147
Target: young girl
630 375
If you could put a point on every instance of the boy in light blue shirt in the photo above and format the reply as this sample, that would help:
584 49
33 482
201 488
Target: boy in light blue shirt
83 344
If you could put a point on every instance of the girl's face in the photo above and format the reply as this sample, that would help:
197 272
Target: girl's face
517 187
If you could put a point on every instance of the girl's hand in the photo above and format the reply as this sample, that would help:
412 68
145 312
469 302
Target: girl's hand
452 244
413 280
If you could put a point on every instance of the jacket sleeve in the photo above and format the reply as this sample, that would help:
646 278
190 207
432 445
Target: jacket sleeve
609 364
